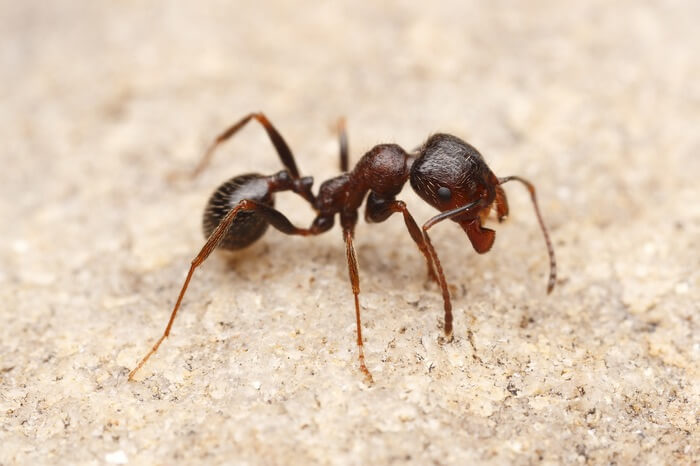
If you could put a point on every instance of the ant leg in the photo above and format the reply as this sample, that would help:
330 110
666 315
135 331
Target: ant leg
355 282
276 219
382 210
283 150
343 140
441 275
214 239
378 210
443 286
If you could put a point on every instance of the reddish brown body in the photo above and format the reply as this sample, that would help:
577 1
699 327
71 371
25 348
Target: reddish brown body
446 172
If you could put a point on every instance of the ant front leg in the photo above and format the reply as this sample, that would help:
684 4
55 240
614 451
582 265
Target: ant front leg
271 215
443 283
348 222
379 209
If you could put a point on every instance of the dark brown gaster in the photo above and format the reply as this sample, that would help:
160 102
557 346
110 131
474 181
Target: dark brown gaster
448 174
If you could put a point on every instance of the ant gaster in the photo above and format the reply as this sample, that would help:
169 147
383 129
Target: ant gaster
445 171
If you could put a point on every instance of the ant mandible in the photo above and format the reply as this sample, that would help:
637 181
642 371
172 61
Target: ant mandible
445 171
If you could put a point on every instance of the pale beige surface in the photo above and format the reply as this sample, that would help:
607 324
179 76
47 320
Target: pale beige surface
597 102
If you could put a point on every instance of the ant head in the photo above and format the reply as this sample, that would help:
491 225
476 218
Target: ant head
449 173
452 176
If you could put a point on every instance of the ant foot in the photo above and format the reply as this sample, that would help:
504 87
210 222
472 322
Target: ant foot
447 338
369 380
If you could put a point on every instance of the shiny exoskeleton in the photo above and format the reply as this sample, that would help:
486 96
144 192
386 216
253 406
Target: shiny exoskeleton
445 171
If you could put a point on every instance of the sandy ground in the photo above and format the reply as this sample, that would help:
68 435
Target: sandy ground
597 102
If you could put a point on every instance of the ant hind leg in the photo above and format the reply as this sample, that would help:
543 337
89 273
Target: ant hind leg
271 215
283 150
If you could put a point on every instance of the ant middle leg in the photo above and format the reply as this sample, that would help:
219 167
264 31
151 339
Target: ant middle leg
348 226
271 215
378 210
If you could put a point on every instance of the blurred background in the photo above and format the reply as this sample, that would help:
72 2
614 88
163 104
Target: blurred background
598 103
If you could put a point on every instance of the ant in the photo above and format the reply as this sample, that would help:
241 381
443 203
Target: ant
445 171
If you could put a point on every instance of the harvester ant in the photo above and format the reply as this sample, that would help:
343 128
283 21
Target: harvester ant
445 171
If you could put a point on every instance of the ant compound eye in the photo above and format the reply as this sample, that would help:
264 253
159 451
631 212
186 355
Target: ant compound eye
444 193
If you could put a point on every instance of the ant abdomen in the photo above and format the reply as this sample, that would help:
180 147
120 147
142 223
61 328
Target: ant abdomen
249 225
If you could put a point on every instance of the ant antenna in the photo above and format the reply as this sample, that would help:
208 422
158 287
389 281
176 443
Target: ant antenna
550 250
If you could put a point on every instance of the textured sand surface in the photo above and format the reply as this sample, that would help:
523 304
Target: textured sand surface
596 102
